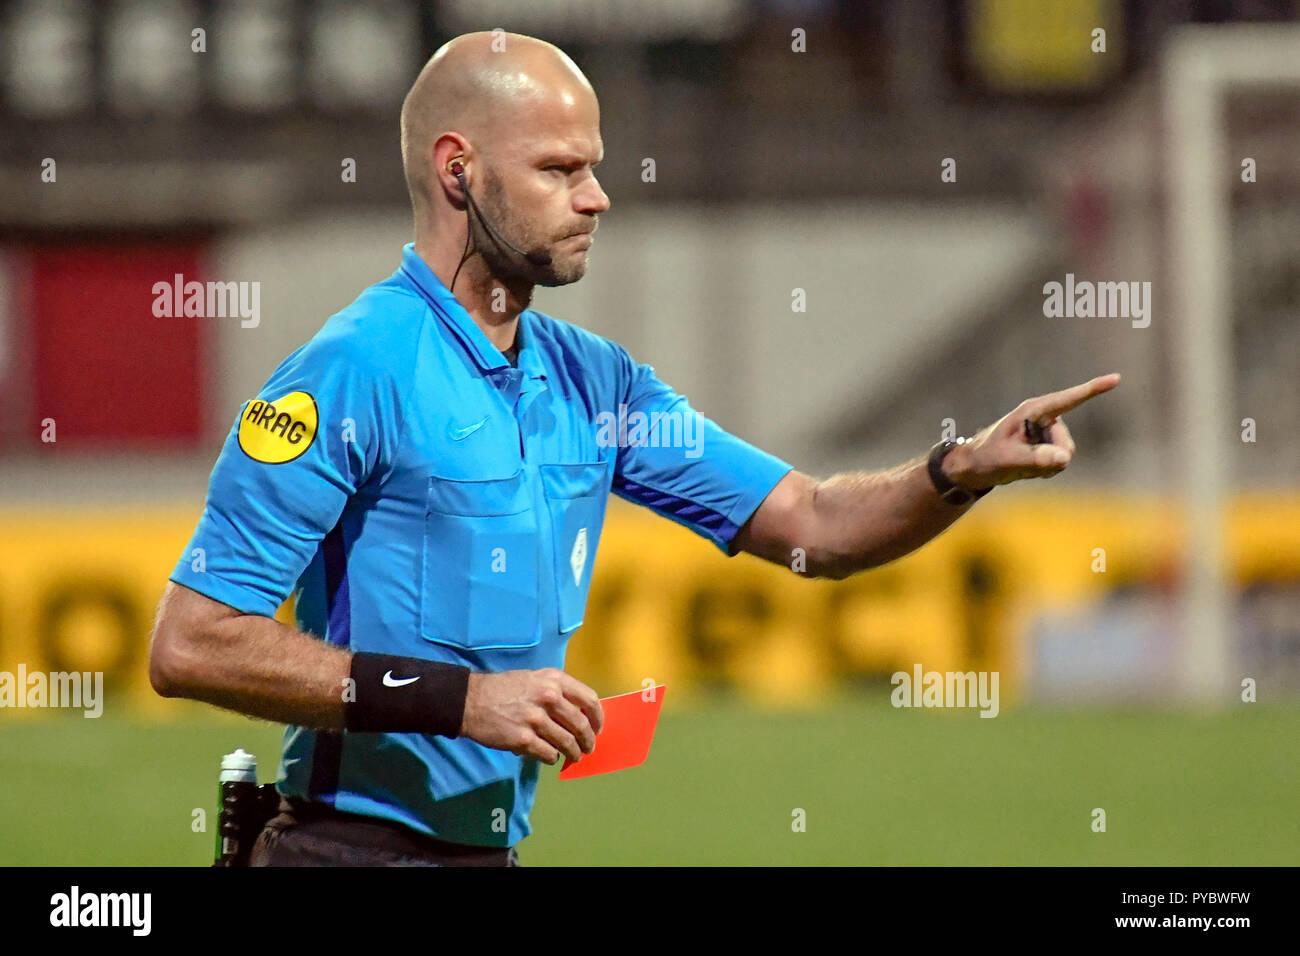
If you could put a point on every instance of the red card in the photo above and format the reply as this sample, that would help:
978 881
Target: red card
624 739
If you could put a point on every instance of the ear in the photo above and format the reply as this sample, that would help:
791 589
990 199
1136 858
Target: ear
447 148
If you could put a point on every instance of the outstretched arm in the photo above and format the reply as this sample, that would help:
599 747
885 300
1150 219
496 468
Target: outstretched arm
860 520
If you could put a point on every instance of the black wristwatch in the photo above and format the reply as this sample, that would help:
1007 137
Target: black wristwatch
952 493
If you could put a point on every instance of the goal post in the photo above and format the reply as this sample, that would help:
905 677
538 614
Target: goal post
1201 66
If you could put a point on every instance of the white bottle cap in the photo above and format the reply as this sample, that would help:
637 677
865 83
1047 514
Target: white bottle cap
239 767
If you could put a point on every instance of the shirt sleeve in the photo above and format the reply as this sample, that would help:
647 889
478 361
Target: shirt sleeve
685 466
318 430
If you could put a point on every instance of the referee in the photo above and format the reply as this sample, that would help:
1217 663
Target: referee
428 477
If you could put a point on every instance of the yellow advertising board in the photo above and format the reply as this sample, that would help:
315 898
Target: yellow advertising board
79 589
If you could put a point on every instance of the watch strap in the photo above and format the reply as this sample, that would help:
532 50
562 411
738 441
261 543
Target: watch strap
949 491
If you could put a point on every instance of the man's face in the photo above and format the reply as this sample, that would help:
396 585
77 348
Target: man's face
540 191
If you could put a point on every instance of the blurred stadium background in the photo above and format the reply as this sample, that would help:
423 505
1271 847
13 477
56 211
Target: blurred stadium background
1123 604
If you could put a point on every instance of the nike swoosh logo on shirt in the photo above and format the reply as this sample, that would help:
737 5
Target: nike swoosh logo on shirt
391 681
460 434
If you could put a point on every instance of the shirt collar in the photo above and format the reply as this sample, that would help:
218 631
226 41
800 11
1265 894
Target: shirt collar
453 314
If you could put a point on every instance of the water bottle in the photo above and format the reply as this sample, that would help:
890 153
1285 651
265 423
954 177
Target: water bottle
239 802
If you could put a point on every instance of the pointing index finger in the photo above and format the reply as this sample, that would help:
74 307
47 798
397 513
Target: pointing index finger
1047 407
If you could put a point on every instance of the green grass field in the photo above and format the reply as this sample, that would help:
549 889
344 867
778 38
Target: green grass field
879 786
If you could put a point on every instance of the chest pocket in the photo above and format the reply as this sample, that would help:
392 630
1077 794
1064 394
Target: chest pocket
576 496
480 564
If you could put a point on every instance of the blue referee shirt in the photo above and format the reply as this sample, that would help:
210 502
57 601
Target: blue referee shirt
420 496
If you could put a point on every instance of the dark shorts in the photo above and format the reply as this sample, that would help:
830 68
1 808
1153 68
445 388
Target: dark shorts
312 834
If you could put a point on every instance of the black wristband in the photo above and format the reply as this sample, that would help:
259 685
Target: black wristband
949 491
396 694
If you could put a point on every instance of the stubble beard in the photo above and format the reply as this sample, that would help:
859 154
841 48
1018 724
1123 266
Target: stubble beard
507 265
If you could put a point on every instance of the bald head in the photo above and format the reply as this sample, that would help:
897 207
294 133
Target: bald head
524 124
486 87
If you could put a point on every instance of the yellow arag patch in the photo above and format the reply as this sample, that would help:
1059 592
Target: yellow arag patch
276 432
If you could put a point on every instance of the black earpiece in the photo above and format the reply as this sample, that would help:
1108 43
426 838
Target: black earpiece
457 168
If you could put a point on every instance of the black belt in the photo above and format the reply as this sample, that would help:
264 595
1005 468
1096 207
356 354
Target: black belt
380 833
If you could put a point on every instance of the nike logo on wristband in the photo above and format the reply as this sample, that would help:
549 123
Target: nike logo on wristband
391 681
